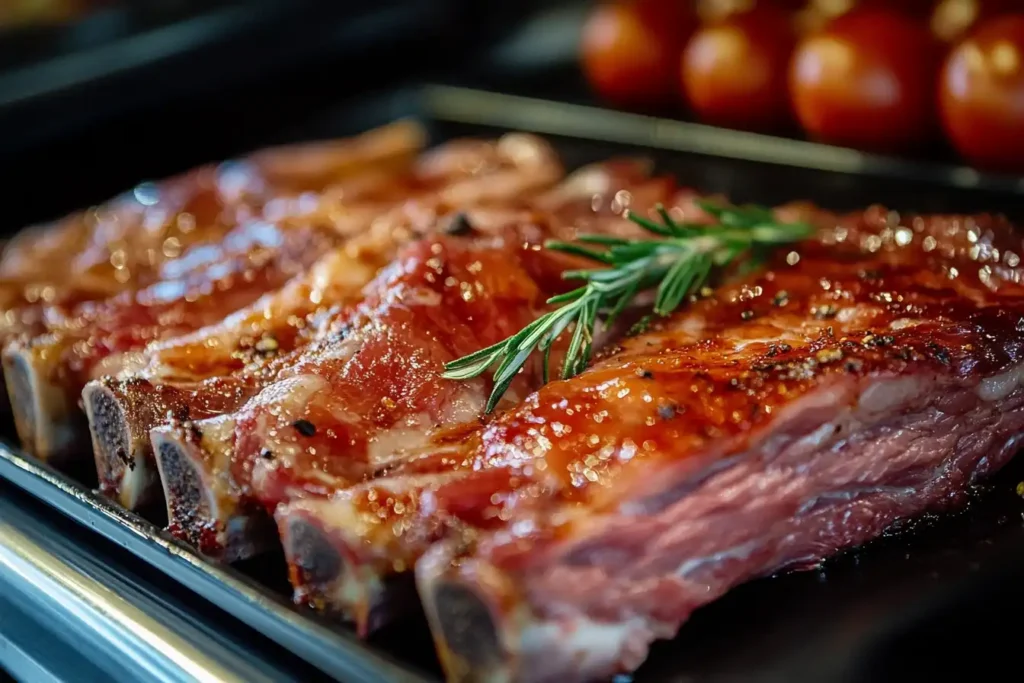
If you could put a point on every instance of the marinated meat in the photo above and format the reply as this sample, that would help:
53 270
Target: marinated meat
218 461
215 369
862 378
865 376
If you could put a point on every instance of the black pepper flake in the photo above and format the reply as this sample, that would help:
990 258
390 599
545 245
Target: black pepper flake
644 374
459 225
666 411
781 299
873 341
747 314
341 333
267 454
940 354
853 365
304 427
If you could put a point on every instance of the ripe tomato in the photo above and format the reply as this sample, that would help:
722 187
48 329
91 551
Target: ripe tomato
981 95
818 13
630 49
734 71
954 19
867 81
717 10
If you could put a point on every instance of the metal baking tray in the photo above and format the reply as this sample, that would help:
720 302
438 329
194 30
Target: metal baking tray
869 615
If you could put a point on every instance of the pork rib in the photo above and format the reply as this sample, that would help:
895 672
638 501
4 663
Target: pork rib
585 201
217 368
861 379
122 245
46 373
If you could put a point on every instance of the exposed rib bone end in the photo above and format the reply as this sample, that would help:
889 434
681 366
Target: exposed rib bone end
120 424
476 640
48 421
196 513
331 574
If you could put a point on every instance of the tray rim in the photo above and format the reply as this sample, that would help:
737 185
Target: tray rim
335 652
480 106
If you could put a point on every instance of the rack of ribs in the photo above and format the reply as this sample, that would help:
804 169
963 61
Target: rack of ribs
209 462
163 256
216 368
869 374
864 377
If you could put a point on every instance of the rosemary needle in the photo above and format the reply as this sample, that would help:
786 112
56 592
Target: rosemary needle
677 264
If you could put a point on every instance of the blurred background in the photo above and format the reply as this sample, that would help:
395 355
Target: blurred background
148 87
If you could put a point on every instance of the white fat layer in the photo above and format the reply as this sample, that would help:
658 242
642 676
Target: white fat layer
127 363
881 397
389 445
581 648
1000 386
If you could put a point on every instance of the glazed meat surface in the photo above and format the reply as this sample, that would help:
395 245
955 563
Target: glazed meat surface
219 366
262 344
863 377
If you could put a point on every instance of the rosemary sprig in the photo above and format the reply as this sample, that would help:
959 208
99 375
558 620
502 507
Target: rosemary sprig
677 264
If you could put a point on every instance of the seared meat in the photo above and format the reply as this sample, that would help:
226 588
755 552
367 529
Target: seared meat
862 378
218 367
279 370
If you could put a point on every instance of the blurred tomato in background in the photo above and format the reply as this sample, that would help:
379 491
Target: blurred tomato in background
631 49
866 80
981 94
952 20
734 68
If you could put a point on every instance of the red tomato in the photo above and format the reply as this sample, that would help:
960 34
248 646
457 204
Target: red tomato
981 95
630 49
867 81
953 19
818 13
717 10
734 71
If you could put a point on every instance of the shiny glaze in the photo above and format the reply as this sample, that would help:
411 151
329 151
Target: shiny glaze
339 453
121 245
875 295
377 378
201 286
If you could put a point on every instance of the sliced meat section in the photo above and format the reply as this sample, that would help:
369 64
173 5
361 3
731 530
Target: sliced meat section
207 282
217 368
369 386
587 200
861 379
378 529
122 245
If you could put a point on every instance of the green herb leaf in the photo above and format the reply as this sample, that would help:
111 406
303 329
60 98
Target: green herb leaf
676 265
